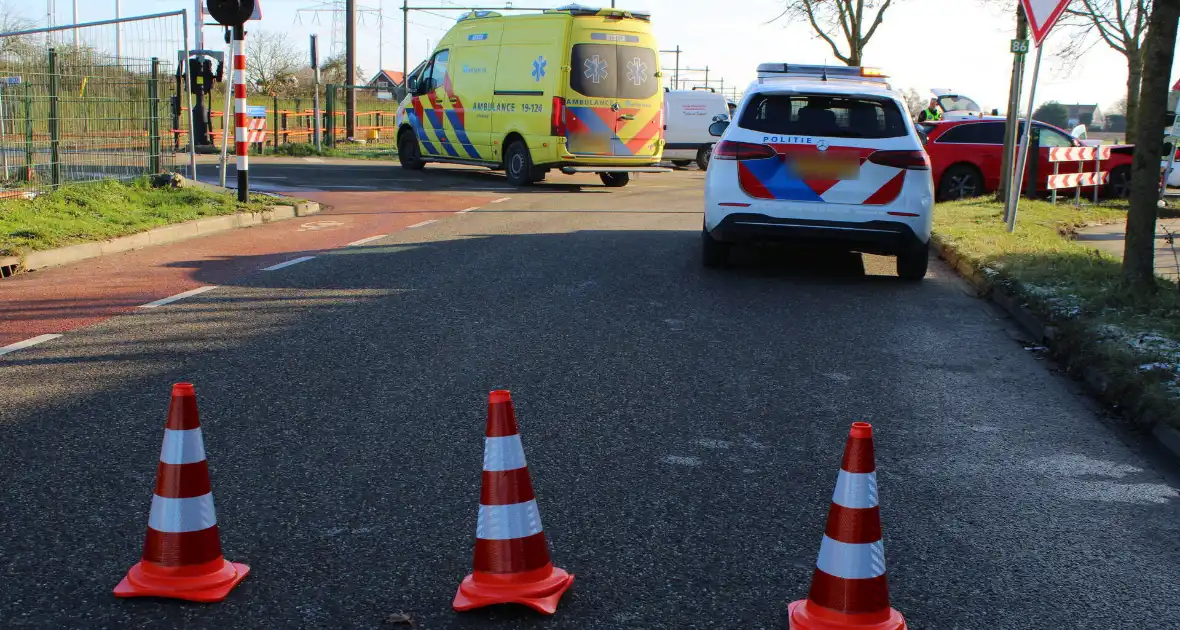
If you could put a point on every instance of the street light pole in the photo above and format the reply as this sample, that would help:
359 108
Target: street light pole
406 45
350 59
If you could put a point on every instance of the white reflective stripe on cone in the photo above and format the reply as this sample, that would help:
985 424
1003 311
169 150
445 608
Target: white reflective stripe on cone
182 447
173 516
503 453
851 561
505 522
855 490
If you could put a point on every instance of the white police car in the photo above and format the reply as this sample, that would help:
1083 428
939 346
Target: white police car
823 155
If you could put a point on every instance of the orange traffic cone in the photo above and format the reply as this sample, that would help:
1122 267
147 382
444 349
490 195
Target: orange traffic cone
512 563
849 589
182 552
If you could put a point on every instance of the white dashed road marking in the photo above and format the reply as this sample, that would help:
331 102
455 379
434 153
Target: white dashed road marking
293 261
501 200
179 296
417 225
366 240
466 210
13 347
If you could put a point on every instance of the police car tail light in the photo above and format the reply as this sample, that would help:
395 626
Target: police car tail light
909 160
729 150
557 123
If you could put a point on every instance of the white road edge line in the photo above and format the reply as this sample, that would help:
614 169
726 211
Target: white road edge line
20 345
501 200
179 296
466 210
366 240
293 261
416 225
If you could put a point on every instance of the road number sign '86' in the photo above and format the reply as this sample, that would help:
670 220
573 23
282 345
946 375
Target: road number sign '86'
1019 46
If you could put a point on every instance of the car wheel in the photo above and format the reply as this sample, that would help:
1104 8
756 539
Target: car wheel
703 156
912 265
1119 185
681 163
960 182
408 153
539 174
714 253
615 180
518 164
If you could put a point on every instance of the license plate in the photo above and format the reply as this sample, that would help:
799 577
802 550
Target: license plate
825 167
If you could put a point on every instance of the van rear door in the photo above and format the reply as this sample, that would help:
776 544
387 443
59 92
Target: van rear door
616 105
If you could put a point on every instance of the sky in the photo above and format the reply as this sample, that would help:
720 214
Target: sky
921 44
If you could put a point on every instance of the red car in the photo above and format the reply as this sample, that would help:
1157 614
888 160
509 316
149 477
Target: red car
965 158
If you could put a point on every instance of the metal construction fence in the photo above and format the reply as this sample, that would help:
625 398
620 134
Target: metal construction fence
87 103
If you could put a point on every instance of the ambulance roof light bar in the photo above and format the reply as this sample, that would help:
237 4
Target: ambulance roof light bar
578 9
782 70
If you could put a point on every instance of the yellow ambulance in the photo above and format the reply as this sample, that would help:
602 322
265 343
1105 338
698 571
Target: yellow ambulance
575 89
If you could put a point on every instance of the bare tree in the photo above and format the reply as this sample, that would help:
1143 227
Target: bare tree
840 23
1121 25
914 102
272 62
1139 248
333 70
10 21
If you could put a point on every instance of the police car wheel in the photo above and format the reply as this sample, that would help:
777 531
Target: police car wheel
713 253
615 180
518 164
912 265
408 153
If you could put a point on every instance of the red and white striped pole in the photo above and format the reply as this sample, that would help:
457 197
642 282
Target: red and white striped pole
241 143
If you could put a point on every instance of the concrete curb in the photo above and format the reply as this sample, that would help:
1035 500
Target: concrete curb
1044 333
159 236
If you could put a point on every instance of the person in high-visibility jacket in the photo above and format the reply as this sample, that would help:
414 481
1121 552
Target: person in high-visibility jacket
932 112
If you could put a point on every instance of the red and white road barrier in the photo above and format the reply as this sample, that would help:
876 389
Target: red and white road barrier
241 127
1075 180
256 131
1080 155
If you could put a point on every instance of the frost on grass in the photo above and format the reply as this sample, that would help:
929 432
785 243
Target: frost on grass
1061 303
1159 353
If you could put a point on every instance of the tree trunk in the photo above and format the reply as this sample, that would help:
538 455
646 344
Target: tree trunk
1139 249
1134 80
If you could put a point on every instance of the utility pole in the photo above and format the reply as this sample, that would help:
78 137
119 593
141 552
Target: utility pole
119 34
350 59
381 36
75 23
1013 109
315 65
676 76
199 24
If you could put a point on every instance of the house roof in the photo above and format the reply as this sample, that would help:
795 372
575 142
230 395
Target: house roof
1079 108
393 76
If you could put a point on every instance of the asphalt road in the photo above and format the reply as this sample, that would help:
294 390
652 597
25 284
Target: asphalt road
683 428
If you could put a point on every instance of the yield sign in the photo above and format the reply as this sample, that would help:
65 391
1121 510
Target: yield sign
1042 15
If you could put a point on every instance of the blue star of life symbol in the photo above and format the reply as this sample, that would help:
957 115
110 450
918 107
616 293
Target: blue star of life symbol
539 68
595 68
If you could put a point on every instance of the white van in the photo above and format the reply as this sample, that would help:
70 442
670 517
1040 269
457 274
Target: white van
687 116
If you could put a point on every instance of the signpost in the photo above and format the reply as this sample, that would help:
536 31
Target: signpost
1042 15
235 13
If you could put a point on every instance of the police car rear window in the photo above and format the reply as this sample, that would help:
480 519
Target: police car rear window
614 71
823 115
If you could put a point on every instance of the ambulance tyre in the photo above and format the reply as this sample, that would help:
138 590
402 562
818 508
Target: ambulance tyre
518 164
539 174
615 180
408 152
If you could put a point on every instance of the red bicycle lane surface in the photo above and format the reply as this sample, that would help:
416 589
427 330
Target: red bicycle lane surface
61 299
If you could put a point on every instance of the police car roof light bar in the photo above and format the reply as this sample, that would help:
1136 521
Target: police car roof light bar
779 70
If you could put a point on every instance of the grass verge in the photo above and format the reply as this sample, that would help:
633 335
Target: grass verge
1128 344
98 211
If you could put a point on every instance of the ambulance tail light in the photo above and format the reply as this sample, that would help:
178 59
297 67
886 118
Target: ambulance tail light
729 150
557 123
